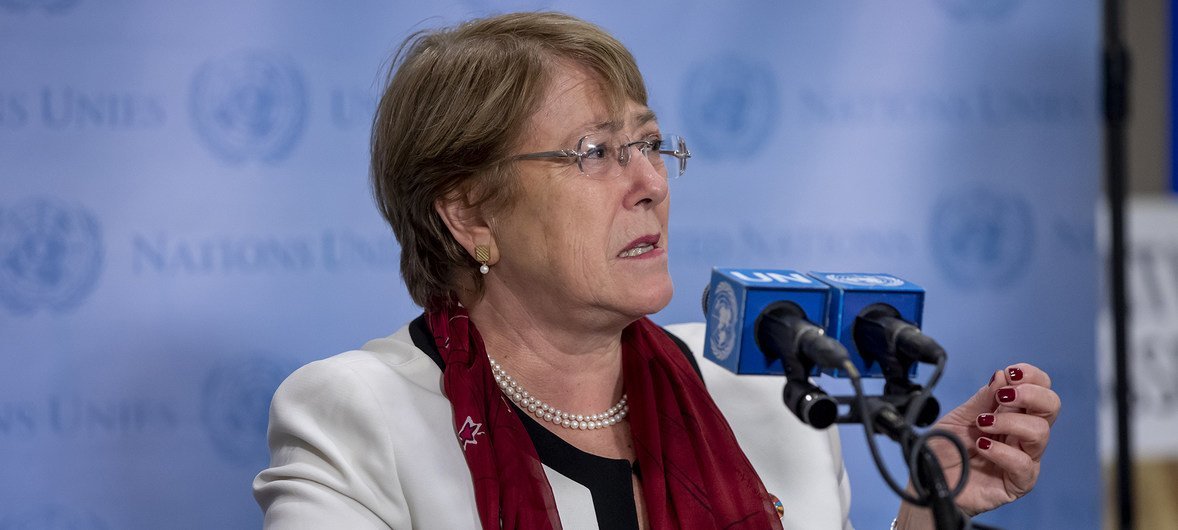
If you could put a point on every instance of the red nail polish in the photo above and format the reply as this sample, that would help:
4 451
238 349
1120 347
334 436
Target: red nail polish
1005 395
985 420
984 443
1016 374
992 376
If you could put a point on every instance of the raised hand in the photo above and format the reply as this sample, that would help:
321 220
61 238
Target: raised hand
1005 425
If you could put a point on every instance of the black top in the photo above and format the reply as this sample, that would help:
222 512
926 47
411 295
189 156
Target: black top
609 481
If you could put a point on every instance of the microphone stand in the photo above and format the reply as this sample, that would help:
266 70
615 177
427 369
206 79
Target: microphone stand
783 332
886 414
945 512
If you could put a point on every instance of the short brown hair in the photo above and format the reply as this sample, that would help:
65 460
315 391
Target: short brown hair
455 105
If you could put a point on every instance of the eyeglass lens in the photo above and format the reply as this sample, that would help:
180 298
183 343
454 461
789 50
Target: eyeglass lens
602 156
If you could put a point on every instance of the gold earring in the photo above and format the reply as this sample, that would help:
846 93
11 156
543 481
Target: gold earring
482 254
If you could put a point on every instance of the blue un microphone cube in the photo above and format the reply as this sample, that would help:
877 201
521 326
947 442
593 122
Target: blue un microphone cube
735 298
851 293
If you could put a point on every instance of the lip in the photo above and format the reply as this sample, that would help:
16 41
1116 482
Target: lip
649 239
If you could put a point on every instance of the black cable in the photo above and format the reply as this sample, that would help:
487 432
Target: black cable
869 429
922 443
917 404
928 470
915 446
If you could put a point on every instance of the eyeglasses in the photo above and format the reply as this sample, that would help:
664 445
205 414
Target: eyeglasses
596 154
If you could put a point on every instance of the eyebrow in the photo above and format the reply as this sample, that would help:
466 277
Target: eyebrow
645 117
640 119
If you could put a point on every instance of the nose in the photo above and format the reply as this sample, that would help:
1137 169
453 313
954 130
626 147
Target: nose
648 185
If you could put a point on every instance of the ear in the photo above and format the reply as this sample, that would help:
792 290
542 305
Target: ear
467 224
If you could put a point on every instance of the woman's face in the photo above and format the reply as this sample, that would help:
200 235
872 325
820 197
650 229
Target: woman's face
592 249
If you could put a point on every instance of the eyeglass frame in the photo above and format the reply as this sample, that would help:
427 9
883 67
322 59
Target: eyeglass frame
681 152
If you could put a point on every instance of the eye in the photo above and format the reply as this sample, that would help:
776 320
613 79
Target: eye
595 152
653 140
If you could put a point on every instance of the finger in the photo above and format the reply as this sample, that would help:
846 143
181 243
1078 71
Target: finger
1035 400
1023 373
1020 469
1009 376
1000 379
997 380
1023 431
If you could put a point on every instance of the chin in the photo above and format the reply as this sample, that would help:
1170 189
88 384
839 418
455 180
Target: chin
653 297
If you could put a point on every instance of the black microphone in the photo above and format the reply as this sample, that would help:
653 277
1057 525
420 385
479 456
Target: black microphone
877 316
881 333
768 322
783 331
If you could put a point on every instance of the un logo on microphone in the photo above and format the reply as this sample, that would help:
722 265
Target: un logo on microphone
723 313
867 280
235 407
50 255
730 105
249 106
982 237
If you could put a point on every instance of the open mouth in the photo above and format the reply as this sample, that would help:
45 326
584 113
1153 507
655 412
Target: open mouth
640 246
636 251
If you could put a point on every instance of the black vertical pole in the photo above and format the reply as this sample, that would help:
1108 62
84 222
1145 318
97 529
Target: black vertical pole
1116 74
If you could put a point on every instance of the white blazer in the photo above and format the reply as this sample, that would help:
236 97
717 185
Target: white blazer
365 439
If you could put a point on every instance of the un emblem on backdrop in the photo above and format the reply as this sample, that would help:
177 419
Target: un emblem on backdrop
249 106
990 10
729 106
51 6
50 255
982 237
51 517
235 407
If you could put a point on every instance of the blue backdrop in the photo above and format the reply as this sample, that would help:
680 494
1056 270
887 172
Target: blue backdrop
185 218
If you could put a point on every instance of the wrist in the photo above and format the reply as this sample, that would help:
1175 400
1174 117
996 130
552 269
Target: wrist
913 517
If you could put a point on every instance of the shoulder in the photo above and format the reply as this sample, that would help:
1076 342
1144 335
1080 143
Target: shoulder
353 436
354 395
390 361
357 395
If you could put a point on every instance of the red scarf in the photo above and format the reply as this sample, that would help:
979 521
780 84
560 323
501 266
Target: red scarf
694 474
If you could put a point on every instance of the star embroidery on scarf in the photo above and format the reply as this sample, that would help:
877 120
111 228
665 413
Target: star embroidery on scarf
468 431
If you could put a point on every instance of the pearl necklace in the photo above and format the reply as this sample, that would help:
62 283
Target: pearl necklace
546 412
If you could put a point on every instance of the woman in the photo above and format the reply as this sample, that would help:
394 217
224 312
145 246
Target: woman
526 179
